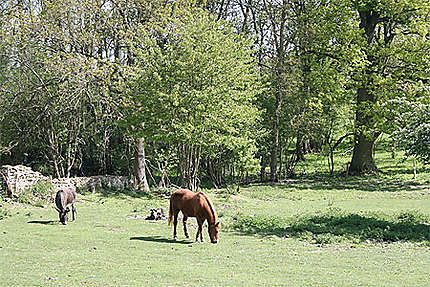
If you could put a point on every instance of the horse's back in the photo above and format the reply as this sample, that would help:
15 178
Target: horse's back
187 201
182 192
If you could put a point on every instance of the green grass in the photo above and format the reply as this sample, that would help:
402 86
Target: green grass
318 230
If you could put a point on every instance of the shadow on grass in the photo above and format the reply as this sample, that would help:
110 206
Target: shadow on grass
124 193
339 226
370 184
44 222
159 239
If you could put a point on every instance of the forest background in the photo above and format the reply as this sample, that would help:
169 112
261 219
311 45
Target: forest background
211 92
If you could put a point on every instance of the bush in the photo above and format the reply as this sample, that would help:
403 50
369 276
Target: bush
414 138
39 194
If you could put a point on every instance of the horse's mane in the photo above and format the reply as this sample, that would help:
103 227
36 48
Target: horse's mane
214 213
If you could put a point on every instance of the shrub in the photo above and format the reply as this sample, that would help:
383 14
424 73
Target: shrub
414 137
38 195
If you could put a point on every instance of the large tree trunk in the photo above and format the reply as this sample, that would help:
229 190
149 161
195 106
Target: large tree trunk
140 165
364 139
362 157
365 135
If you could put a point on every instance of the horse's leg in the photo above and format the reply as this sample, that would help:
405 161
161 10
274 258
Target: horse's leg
175 222
184 220
199 231
73 211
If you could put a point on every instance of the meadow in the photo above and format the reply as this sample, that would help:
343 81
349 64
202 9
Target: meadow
314 230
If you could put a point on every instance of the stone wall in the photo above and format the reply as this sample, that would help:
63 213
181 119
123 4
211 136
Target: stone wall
15 179
18 178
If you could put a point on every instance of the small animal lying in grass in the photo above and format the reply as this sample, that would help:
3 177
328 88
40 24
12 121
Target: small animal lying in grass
156 214
196 205
63 199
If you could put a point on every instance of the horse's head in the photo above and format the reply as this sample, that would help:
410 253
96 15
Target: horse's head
213 231
63 215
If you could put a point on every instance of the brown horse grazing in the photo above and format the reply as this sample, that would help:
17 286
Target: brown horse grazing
196 205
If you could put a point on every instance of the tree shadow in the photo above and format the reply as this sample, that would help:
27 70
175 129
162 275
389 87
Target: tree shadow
160 239
404 227
44 222
361 228
127 193
369 184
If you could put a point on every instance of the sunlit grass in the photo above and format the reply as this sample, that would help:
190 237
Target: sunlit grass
314 230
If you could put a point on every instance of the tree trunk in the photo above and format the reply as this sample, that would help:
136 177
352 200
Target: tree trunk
280 43
275 134
362 156
364 139
281 150
9 189
189 160
333 148
262 169
215 172
140 165
300 153
365 135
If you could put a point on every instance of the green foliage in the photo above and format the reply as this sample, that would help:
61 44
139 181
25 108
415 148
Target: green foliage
192 80
53 91
414 137
203 79
39 194
197 90
395 60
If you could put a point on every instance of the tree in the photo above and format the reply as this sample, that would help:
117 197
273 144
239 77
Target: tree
55 87
395 46
414 135
195 89
61 82
140 165
306 58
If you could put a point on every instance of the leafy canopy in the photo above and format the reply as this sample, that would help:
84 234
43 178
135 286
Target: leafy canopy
195 83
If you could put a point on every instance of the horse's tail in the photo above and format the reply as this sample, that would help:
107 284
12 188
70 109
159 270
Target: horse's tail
171 209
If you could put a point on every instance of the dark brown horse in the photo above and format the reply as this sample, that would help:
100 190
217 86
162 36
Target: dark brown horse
63 198
196 205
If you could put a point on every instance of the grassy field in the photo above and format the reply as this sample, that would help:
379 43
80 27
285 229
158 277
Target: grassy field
316 230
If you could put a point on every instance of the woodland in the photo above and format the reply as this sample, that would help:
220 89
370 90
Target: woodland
211 91
306 122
